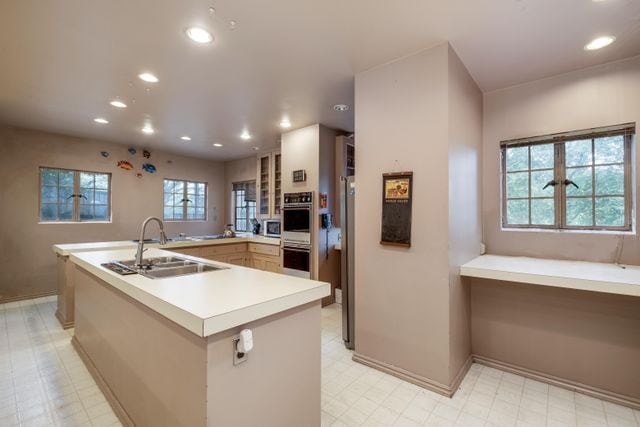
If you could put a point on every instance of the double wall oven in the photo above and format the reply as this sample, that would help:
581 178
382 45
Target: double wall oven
297 226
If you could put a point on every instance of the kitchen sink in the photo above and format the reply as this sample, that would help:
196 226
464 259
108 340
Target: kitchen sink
162 267
211 237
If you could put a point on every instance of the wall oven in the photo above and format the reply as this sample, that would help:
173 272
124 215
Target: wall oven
296 260
297 226
297 218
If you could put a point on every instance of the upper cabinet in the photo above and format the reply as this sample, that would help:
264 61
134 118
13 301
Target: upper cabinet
269 185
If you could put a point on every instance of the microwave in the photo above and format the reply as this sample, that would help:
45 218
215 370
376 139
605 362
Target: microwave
272 227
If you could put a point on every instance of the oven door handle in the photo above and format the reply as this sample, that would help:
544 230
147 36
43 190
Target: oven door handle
289 248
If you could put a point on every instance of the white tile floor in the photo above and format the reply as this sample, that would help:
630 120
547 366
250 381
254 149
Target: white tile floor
354 395
43 382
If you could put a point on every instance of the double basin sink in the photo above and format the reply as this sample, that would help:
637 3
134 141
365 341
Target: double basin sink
162 267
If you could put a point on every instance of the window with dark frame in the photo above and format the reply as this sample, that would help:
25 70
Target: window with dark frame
575 181
244 202
185 200
74 196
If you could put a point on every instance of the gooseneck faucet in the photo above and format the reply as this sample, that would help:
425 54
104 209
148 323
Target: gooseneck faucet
163 239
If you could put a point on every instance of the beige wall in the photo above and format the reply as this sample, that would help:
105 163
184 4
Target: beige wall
27 264
236 171
465 229
585 337
407 120
599 96
313 149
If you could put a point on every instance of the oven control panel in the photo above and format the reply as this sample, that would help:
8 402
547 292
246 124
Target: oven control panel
298 198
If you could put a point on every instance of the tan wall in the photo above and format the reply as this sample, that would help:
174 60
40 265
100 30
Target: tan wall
27 263
402 294
581 336
599 96
465 224
313 149
585 337
236 171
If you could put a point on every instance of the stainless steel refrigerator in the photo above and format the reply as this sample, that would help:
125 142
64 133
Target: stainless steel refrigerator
347 229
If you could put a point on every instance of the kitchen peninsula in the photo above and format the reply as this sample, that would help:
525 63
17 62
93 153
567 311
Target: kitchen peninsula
245 249
164 350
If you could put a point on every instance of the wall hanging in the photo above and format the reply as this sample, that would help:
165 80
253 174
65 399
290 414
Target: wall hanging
397 196
123 164
132 151
148 167
146 154
104 154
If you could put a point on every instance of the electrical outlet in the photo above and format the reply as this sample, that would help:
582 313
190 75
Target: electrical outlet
238 358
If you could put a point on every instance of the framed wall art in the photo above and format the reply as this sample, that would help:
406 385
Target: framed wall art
397 196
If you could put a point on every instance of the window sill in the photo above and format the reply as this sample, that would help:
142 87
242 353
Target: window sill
184 220
74 222
564 231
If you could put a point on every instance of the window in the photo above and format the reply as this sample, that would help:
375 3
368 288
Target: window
577 180
185 200
74 196
244 202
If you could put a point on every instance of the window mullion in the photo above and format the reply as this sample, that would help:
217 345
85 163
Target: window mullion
184 200
560 190
76 199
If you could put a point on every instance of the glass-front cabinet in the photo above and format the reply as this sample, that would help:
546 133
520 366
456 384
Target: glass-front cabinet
269 185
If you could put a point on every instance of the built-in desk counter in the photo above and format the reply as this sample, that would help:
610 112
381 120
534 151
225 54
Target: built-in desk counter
571 324
586 276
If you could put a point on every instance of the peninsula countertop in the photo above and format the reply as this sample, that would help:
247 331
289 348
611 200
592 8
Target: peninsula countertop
211 302
67 249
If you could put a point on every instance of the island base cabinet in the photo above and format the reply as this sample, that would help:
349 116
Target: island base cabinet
64 312
156 373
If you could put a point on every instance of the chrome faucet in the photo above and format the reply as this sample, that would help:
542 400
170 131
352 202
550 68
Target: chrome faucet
141 249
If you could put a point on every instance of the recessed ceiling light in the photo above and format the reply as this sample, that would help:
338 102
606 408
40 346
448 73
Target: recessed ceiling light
285 123
245 135
255 148
101 120
217 145
599 43
341 107
118 104
148 129
185 138
199 35
148 77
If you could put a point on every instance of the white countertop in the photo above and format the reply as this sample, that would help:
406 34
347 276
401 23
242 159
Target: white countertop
211 302
588 276
69 248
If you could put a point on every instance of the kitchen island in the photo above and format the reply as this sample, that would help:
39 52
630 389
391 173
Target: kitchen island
245 249
162 350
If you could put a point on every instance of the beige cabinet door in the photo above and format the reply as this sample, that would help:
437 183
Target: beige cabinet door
257 262
273 265
236 259
266 263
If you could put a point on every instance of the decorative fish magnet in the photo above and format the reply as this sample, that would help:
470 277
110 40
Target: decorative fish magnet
123 164
104 154
148 167
132 151
146 154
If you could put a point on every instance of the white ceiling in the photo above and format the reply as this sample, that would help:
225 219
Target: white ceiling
63 61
